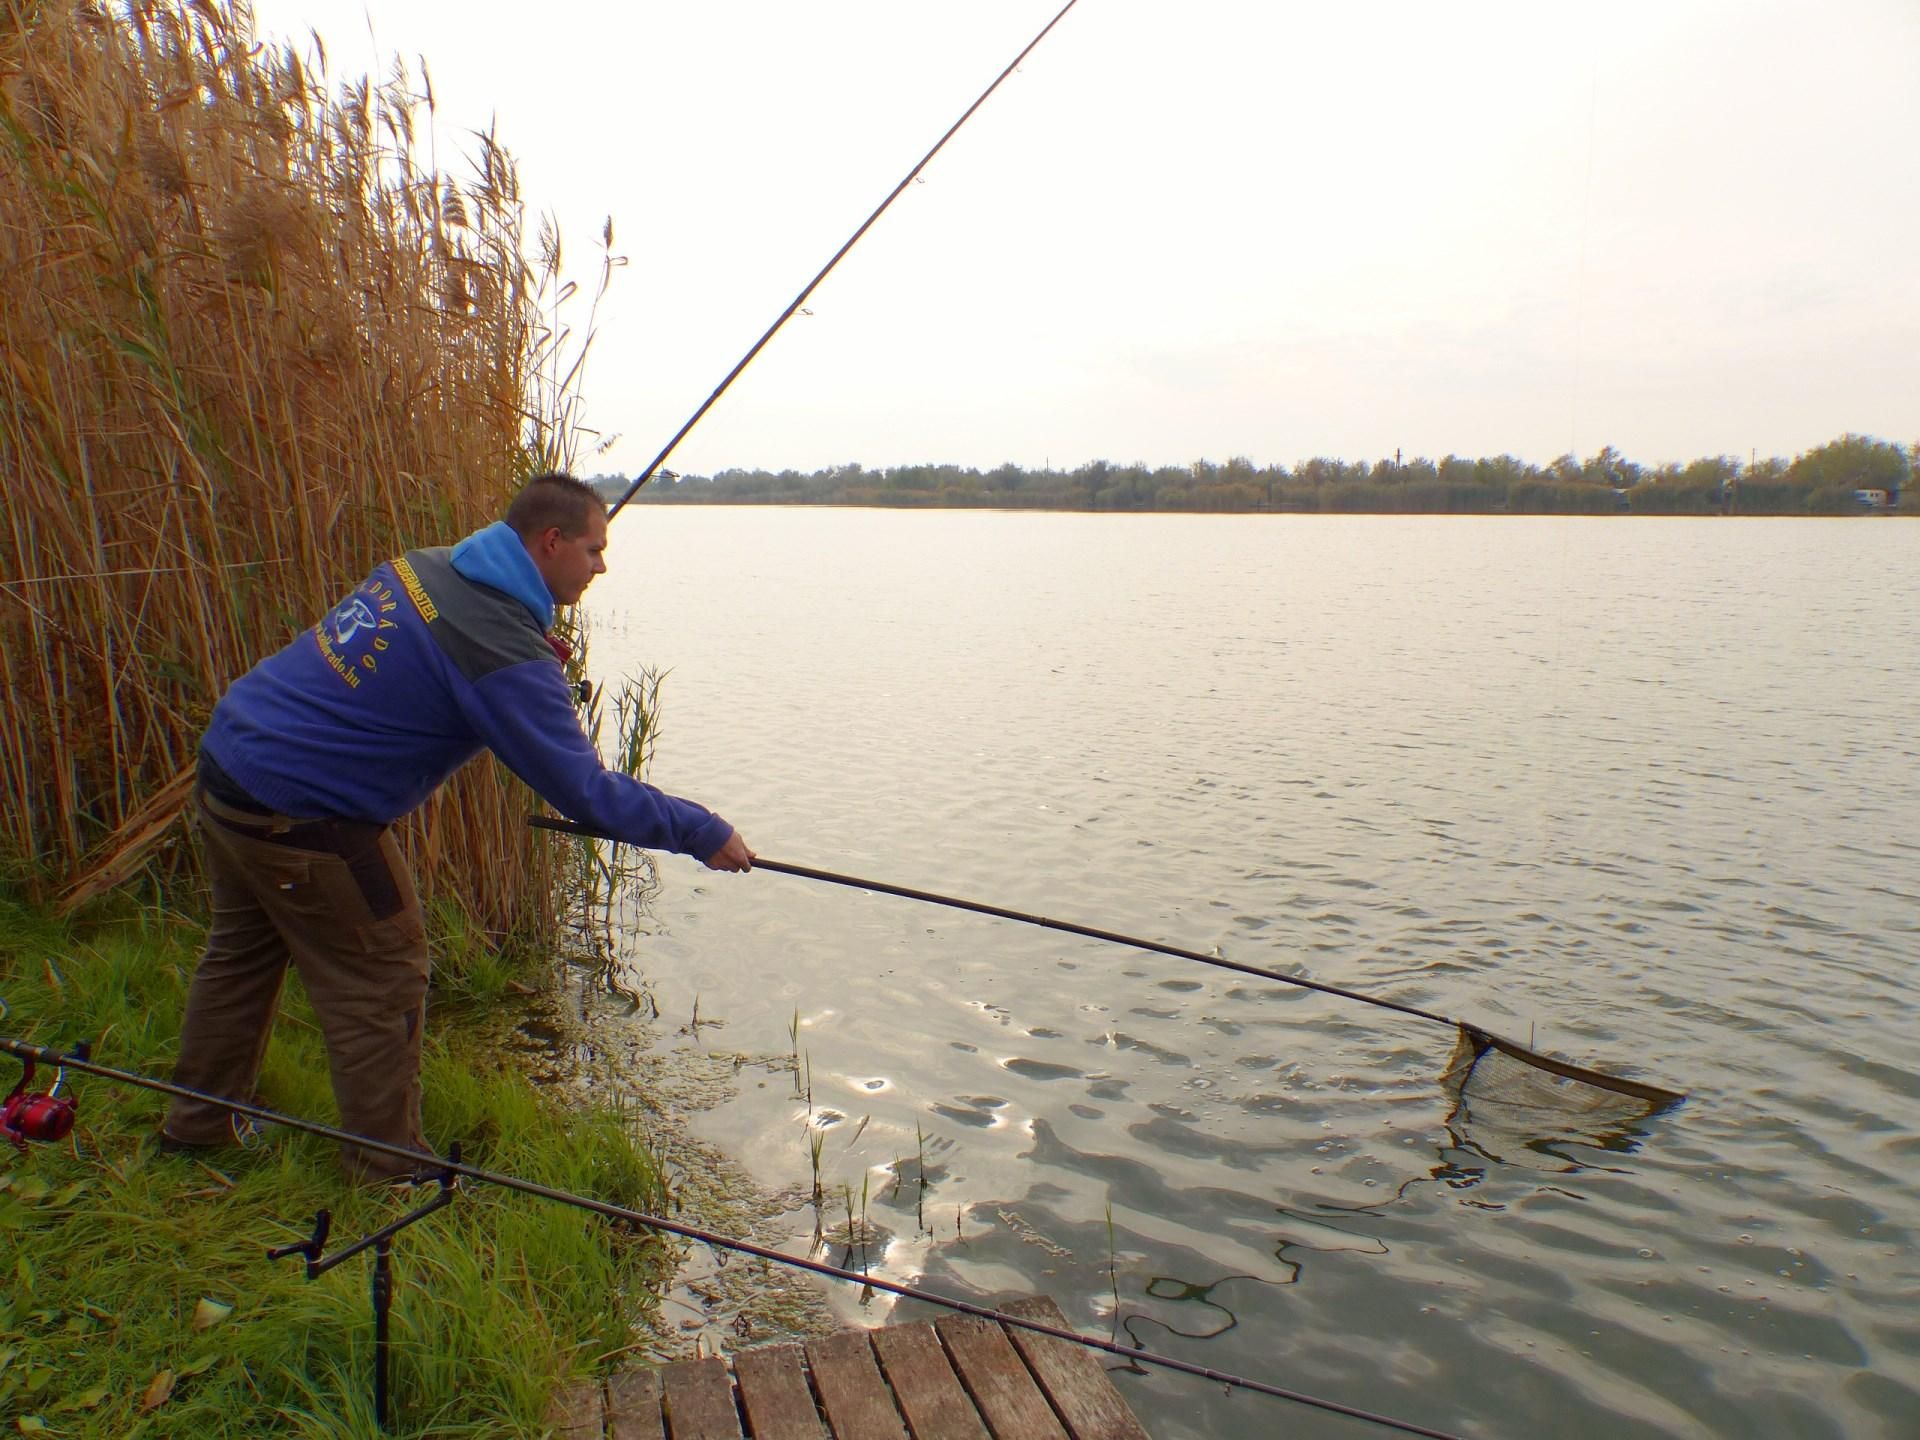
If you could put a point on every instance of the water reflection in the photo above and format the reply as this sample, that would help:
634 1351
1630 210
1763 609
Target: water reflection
1183 1292
1508 1129
1507 1123
1472 788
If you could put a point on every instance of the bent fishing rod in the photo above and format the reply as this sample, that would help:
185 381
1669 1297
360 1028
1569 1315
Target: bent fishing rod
852 240
1481 1039
452 1168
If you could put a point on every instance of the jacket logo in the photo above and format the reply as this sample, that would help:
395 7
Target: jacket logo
353 616
342 635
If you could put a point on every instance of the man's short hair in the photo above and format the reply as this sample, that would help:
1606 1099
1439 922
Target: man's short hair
553 500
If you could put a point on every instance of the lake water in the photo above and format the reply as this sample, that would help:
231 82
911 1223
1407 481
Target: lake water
1643 792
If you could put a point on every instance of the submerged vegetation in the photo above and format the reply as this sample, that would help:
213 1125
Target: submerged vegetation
135 1296
1823 481
255 343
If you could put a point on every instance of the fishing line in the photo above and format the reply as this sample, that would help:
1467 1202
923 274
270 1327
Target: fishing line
1475 1043
825 270
430 1166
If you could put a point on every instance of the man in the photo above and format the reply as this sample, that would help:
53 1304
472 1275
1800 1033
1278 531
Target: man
313 754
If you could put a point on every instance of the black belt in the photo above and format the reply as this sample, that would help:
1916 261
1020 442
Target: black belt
334 837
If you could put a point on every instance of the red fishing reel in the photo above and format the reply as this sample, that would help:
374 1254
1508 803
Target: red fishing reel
31 1115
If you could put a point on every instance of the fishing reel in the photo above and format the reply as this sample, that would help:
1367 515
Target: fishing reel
45 1117
581 690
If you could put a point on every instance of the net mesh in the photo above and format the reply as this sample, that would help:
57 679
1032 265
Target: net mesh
1509 1101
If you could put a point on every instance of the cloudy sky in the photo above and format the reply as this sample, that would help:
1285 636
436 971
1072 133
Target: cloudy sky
1226 227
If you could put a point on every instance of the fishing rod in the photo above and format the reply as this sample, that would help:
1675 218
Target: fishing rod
800 299
852 240
453 1166
1483 1041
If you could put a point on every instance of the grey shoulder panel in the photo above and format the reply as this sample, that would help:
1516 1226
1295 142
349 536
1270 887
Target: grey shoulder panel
480 629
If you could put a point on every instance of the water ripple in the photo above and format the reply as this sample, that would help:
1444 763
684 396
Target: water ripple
1536 773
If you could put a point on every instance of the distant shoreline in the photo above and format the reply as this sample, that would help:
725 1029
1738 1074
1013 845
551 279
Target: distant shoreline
1853 475
666 500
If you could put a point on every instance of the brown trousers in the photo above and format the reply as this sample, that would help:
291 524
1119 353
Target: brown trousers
335 898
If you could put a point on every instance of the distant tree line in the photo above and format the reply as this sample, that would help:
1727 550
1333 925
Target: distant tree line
1829 480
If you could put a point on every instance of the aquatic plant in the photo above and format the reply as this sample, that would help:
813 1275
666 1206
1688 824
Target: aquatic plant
816 1141
1113 1271
604 873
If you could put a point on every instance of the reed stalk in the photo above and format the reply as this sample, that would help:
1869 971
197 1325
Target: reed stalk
252 342
793 1035
1113 1271
920 1164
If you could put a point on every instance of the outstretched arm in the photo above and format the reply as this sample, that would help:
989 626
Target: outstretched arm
525 715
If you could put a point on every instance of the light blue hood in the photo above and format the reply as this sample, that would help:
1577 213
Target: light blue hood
494 556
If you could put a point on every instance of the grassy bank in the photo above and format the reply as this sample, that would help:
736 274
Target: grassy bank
135 1298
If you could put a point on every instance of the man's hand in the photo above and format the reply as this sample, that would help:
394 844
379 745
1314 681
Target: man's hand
734 855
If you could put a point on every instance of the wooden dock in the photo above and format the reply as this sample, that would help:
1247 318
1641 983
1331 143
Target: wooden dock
959 1378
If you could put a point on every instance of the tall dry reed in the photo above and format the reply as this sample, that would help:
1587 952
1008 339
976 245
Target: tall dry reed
250 345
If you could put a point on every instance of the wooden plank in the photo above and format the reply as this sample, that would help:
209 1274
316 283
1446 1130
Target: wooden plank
998 1379
774 1393
1075 1381
699 1402
928 1392
851 1392
577 1411
633 1406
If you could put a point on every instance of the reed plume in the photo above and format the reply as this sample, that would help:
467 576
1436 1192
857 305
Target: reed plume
250 345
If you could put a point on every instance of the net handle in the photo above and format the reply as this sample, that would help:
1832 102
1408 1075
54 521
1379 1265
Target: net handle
1480 1038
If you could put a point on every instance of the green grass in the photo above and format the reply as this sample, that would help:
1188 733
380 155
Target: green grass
108 1247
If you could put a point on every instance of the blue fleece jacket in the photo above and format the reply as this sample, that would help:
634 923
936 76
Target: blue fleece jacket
432 658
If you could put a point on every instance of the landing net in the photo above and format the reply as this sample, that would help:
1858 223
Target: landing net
1509 1099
